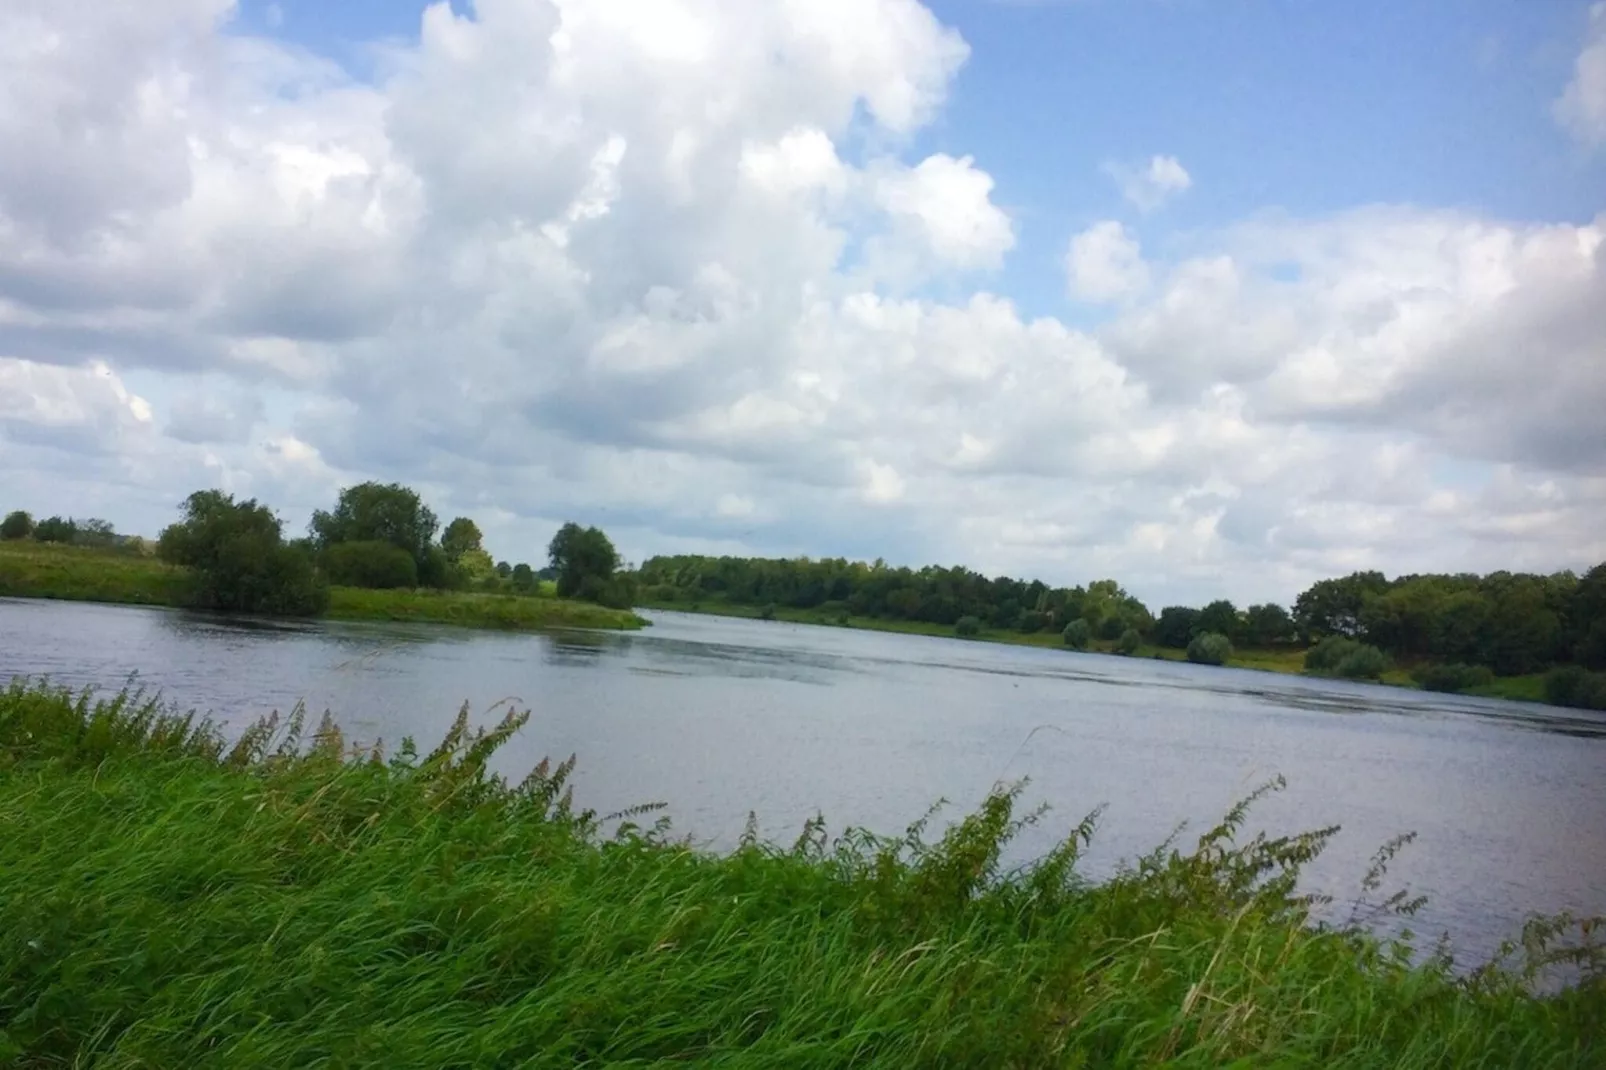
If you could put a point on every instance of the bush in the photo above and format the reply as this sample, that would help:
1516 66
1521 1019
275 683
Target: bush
1129 642
1451 678
372 564
1209 648
1572 685
17 525
241 561
1353 660
1033 621
1077 634
523 578
967 626
55 529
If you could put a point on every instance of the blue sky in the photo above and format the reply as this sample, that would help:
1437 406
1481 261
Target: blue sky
1216 297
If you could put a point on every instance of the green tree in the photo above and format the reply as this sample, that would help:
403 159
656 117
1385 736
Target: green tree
1268 624
16 525
585 561
94 532
1220 616
384 512
1077 634
372 564
461 536
522 578
1209 648
240 561
1176 626
1333 607
1586 619
1129 642
55 529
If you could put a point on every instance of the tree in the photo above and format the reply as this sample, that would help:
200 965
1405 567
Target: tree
372 564
1209 648
461 536
1129 642
1221 617
523 578
1176 626
239 558
55 529
1077 634
17 525
1268 624
1333 607
1586 619
383 512
94 532
585 561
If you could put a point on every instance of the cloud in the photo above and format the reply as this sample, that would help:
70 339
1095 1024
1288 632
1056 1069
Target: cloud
1581 108
1105 263
1150 185
551 262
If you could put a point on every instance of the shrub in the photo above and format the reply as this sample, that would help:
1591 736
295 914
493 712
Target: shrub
1572 685
17 525
1209 648
373 564
768 612
241 561
1077 634
1451 678
55 529
1129 642
1033 621
523 578
1338 656
967 626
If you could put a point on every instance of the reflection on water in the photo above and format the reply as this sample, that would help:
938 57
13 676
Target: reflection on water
720 717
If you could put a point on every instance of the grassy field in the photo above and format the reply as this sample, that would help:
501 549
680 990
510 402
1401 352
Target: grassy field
47 570
76 573
1292 661
168 901
476 610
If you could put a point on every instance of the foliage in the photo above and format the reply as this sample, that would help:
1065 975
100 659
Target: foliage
1175 626
474 609
18 524
55 529
50 570
1210 648
522 577
1267 625
1451 678
169 899
1337 656
240 562
1221 617
1077 634
371 563
1333 607
461 536
384 512
967 627
1129 642
94 532
1585 617
1575 686
585 561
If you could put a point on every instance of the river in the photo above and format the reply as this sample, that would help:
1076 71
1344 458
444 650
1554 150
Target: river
717 717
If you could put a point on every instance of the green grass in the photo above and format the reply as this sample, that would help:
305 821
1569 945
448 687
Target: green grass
169 901
476 610
84 574
47 570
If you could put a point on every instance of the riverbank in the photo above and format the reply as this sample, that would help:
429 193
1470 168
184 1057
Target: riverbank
1290 660
166 900
44 570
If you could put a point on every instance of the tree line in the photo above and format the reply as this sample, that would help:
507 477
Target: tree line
377 535
1453 631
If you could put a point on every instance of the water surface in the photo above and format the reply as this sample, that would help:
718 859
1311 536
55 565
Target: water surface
719 717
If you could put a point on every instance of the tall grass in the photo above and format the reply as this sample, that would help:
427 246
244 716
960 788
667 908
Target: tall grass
476 609
88 574
170 900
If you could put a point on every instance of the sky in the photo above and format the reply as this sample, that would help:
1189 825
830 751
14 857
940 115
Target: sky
1212 297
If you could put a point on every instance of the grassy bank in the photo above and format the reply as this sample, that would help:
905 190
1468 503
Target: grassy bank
169 901
476 610
1291 661
48 570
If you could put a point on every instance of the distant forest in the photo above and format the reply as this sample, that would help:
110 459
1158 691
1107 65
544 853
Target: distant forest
1455 629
